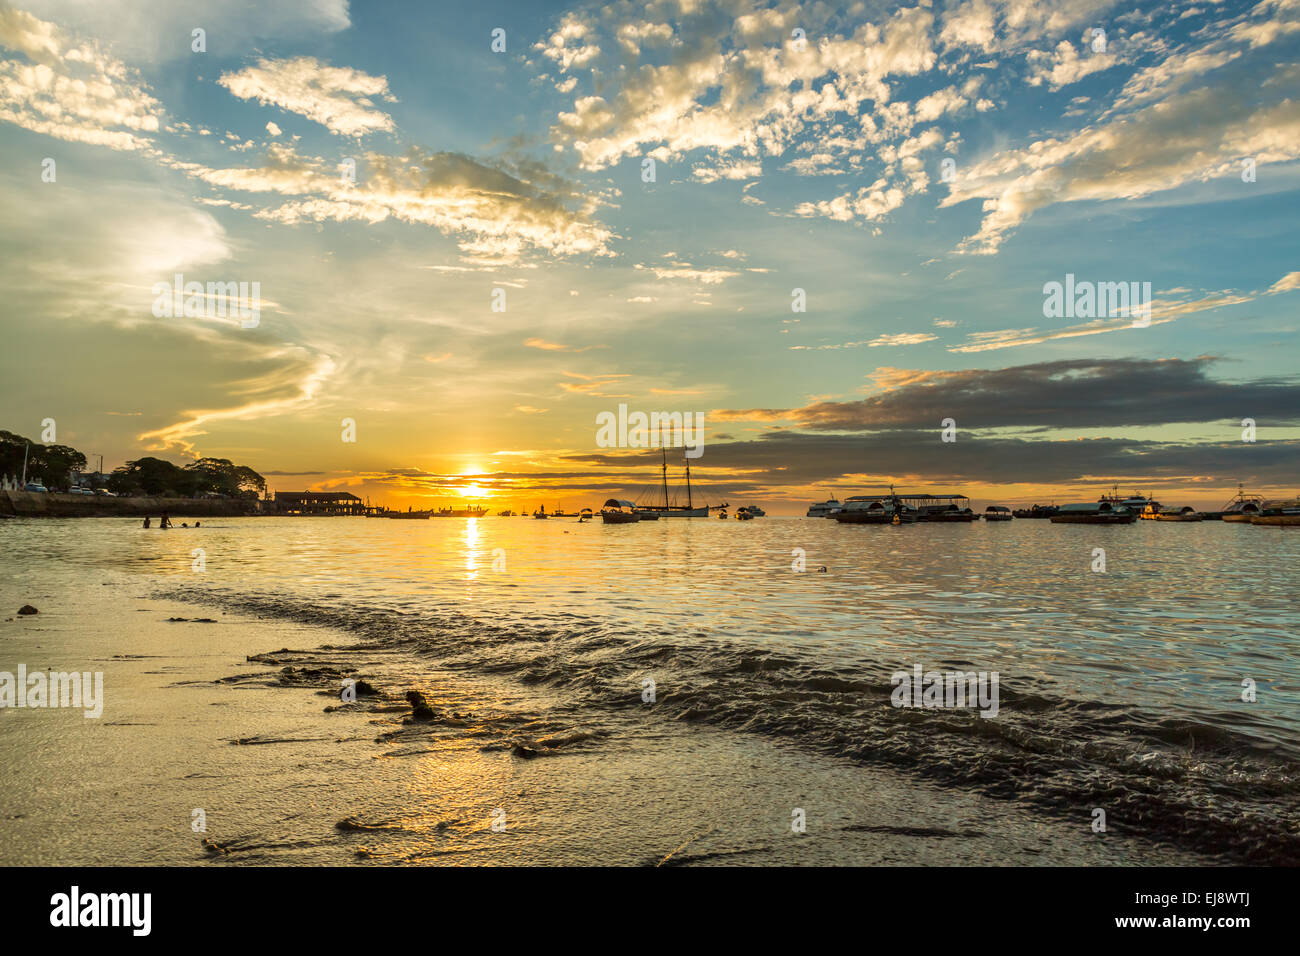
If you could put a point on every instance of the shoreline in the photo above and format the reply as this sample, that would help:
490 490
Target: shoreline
54 504
256 738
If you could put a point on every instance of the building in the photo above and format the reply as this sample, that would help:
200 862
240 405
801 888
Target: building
318 503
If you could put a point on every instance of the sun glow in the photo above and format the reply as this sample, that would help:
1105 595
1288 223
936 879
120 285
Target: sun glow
474 490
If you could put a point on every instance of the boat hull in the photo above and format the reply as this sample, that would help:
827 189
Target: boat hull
997 517
1277 520
674 513
619 517
864 517
1238 518
1093 519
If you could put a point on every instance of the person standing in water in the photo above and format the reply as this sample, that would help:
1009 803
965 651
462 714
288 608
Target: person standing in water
164 521
146 522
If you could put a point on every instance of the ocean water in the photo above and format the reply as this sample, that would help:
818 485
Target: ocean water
1120 689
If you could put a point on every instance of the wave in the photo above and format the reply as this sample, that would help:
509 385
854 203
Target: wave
1190 782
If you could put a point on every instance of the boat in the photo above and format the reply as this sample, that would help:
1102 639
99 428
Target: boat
1180 514
744 514
541 512
924 507
617 511
949 513
1136 503
823 509
997 513
722 515
505 514
584 515
1101 512
1240 508
756 512
470 512
560 513
1037 511
670 510
875 509
1281 512
408 514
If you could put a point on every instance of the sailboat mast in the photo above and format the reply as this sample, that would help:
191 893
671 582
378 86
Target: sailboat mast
688 485
664 451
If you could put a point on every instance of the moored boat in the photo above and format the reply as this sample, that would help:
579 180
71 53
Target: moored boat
585 514
1180 514
744 514
617 511
1241 507
997 513
823 509
1102 512
1280 512
1037 511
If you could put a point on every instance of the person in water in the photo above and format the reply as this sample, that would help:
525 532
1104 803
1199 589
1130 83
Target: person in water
197 523
146 522
164 521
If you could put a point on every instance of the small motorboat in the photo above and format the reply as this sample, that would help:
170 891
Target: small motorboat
585 514
617 511
744 514
541 512
997 513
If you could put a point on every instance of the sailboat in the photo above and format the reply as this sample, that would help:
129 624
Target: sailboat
669 510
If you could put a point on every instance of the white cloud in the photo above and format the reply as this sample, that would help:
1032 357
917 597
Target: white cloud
339 98
71 91
1285 284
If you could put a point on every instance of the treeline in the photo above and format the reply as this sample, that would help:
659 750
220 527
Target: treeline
155 478
54 465
51 465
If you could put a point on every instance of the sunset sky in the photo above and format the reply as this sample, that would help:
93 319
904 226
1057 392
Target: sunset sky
794 147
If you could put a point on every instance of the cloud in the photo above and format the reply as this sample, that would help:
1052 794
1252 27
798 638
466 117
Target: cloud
902 338
1187 136
71 91
496 213
1285 284
684 271
160 30
1078 393
339 98
1162 312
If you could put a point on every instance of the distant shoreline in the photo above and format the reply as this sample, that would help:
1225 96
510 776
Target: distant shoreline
35 504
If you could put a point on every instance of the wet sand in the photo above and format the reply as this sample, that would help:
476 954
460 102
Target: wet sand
190 723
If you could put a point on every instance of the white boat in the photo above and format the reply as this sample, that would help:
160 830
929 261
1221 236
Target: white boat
823 509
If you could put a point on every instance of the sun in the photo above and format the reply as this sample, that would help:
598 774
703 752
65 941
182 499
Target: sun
474 490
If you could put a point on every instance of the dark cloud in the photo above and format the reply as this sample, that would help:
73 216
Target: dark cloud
1078 393
787 458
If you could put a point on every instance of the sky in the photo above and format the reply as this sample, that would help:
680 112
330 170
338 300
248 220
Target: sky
828 228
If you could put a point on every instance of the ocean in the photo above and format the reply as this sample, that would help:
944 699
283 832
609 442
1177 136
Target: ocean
627 685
